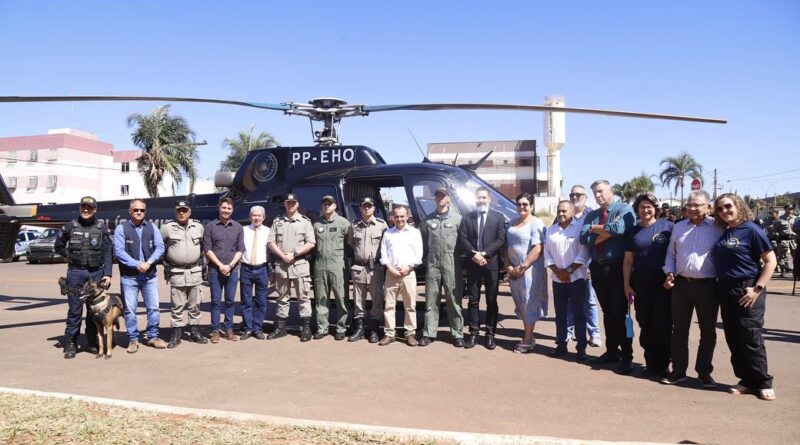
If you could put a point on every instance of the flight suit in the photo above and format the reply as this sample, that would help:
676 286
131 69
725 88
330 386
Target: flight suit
367 273
290 234
443 271
329 270
183 269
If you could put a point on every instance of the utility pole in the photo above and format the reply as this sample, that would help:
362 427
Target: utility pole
715 185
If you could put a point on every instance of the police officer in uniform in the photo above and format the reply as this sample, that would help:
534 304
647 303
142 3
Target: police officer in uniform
183 270
331 233
791 233
364 238
291 238
86 244
443 270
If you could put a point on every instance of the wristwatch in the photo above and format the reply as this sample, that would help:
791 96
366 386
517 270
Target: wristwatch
758 288
570 269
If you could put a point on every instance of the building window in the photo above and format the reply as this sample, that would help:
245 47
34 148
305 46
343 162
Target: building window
52 155
33 156
52 181
12 183
126 167
33 183
123 190
12 157
525 162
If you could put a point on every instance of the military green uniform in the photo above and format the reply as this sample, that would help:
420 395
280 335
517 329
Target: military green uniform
443 271
183 268
329 270
367 272
290 234
784 238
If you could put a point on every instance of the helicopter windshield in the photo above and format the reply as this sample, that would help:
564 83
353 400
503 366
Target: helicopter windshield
499 203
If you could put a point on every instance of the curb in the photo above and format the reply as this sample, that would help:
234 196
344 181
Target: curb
461 438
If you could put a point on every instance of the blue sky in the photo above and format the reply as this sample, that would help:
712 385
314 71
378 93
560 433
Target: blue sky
727 59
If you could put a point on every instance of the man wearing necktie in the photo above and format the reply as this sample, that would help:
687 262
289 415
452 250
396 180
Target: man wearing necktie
254 275
482 234
604 232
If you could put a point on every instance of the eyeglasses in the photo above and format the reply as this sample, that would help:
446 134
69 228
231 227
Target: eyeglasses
727 206
576 195
692 205
523 204
138 210
181 210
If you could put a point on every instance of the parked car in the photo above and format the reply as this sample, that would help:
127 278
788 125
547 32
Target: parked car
42 249
23 239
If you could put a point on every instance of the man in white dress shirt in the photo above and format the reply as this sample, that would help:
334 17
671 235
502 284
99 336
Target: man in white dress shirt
401 251
567 258
254 275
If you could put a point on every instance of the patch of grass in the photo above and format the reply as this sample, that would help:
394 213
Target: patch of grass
45 420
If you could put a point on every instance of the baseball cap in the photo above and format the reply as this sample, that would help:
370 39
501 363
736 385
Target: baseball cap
367 200
441 191
181 205
89 201
328 198
290 197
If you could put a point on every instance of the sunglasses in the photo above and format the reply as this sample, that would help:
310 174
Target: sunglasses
727 206
138 210
576 195
523 204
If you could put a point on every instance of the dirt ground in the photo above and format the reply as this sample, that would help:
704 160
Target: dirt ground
438 387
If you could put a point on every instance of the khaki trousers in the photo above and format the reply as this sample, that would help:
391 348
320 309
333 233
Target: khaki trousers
407 288
302 287
185 299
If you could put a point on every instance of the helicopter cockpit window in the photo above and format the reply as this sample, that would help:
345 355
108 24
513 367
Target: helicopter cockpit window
499 202
424 192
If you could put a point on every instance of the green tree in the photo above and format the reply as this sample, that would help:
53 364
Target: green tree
242 144
677 169
167 145
629 190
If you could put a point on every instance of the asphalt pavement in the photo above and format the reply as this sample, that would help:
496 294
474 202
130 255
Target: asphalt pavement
438 387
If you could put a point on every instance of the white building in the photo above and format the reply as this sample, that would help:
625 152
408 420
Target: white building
67 164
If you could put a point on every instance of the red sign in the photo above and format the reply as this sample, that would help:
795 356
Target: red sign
696 184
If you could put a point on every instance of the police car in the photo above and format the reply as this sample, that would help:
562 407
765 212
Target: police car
23 239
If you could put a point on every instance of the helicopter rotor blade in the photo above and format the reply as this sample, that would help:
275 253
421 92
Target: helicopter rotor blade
23 99
545 108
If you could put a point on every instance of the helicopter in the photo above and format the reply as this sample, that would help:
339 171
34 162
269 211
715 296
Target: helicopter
346 172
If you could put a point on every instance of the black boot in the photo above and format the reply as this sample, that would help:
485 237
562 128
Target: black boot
305 334
279 331
70 349
374 335
196 337
358 330
175 340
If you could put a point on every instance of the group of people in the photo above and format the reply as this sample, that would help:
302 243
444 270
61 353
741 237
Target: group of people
616 255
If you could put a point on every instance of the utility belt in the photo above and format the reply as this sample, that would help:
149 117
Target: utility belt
368 264
170 266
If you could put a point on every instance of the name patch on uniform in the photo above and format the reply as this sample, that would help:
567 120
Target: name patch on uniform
333 229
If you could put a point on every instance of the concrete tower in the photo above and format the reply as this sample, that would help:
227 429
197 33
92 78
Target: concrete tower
555 136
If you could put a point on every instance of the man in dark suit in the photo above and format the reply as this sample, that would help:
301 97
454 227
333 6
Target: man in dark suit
482 234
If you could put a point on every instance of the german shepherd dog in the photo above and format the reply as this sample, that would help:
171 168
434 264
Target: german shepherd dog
105 309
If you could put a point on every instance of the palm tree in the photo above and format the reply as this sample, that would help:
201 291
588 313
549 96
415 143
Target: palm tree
167 145
677 169
243 143
629 190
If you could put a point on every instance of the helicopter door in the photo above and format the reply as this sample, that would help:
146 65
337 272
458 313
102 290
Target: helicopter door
422 192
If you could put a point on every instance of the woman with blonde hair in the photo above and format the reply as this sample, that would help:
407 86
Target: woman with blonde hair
742 294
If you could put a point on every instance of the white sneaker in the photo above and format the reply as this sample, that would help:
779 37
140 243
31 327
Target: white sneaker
595 342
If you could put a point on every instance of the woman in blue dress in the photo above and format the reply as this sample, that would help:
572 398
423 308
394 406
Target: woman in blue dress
524 264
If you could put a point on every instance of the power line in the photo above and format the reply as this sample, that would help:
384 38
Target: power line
766 175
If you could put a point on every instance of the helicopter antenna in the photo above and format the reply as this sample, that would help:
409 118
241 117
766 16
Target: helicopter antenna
476 165
424 158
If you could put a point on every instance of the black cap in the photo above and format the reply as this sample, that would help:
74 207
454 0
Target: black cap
367 200
788 206
89 201
328 198
182 205
290 197
441 191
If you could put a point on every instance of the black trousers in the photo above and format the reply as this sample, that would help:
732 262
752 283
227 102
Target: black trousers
689 296
743 333
477 276
610 290
654 314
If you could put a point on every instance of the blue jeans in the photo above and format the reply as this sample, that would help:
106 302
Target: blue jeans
221 284
75 279
570 295
130 293
254 309
589 312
